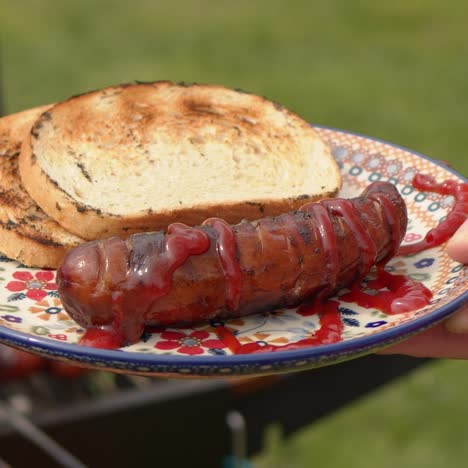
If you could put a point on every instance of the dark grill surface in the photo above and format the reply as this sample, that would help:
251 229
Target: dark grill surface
104 419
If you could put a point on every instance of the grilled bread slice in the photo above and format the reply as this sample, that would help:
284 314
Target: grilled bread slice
27 234
137 157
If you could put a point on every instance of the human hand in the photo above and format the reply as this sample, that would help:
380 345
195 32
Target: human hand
450 338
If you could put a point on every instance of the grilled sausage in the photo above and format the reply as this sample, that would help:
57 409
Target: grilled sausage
216 271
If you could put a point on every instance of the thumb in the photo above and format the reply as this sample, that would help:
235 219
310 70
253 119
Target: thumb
458 322
457 246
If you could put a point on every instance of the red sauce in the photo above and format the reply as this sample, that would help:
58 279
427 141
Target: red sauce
181 242
329 332
103 338
226 250
453 221
346 210
128 325
402 294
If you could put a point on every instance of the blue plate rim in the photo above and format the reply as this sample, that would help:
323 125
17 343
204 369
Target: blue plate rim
155 362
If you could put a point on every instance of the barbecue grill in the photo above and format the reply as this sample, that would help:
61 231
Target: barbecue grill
102 419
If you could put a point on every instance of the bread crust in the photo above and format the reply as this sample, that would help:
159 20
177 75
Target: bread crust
27 234
92 222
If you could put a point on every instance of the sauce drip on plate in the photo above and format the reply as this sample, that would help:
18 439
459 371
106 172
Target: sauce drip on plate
451 223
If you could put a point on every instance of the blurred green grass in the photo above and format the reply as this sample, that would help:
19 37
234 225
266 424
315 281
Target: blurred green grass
395 70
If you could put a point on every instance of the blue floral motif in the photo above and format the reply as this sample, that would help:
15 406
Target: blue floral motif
310 324
374 162
298 333
261 343
53 310
424 262
434 206
216 323
447 201
340 152
346 311
16 297
280 318
217 351
12 318
355 170
351 322
53 294
407 189
457 268
145 336
358 157
297 330
376 324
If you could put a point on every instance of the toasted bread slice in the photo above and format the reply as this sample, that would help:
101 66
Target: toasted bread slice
27 234
137 157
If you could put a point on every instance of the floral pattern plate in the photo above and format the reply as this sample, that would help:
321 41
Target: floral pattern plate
32 317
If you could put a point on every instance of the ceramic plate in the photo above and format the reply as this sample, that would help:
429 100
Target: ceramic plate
32 317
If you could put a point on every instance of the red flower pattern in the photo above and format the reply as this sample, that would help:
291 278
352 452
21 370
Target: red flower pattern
188 343
35 286
59 336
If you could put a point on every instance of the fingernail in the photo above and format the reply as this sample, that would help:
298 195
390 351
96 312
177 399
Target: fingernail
457 246
458 323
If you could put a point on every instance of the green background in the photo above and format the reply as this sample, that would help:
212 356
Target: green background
395 70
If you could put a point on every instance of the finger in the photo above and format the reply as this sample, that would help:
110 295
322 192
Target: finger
436 342
457 246
458 323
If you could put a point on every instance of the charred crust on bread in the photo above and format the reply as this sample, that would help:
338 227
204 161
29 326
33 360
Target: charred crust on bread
44 241
260 206
52 181
278 106
34 131
12 226
242 91
82 208
304 196
200 107
186 84
84 171
9 225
